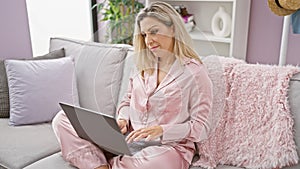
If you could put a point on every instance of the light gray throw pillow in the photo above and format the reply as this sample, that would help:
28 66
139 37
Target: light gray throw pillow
36 87
4 96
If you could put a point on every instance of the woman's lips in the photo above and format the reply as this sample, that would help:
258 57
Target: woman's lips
153 48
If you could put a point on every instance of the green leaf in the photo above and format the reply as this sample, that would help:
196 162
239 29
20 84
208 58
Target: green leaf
121 18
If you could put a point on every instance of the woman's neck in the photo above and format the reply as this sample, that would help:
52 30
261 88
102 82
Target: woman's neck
166 61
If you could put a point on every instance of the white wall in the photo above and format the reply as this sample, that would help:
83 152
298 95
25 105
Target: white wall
58 18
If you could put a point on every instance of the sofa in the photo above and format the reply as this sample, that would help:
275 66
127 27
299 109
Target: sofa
101 73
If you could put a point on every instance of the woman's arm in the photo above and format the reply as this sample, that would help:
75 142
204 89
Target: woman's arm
123 109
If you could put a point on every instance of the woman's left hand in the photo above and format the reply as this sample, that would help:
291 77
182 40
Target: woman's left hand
148 133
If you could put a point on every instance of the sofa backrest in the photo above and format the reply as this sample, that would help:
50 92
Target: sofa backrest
99 72
128 64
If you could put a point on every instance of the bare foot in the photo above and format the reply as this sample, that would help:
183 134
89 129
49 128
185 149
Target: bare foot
102 167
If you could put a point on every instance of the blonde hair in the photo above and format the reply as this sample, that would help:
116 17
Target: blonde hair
166 14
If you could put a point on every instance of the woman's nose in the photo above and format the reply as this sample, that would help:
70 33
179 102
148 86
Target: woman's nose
148 40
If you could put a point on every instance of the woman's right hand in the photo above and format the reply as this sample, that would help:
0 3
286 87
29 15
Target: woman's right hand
123 125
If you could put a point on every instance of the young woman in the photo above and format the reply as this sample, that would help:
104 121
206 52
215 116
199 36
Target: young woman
168 101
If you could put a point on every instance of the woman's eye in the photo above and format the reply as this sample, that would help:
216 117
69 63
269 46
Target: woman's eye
153 32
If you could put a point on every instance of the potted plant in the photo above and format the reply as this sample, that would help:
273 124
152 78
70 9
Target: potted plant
120 16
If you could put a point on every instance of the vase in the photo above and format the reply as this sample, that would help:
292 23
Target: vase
221 23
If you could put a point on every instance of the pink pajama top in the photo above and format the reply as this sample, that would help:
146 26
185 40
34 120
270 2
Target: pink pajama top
180 104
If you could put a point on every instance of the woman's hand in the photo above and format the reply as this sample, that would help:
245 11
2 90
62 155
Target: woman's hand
123 125
149 133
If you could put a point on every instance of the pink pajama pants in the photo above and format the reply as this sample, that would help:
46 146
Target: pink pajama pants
84 155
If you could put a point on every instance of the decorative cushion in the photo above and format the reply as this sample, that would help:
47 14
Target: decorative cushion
217 66
4 96
36 87
99 82
256 126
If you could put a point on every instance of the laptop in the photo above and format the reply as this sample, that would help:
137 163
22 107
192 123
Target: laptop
98 128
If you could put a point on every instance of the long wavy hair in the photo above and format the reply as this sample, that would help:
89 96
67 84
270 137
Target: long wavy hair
166 14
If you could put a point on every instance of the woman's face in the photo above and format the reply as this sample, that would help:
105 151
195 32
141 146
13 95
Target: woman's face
158 37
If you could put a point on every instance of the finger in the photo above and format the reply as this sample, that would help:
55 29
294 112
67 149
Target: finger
133 135
140 136
143 133
148 138
121 123
152 135
129 136
124 130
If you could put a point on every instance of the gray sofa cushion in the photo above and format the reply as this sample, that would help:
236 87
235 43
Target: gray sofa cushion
21 146
294 100
54 161
99 69
4 96
128 65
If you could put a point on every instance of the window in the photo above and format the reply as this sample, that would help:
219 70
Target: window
58 18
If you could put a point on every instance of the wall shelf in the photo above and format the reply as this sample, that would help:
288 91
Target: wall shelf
208 36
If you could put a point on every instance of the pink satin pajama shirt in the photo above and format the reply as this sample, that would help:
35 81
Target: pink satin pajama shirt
181 104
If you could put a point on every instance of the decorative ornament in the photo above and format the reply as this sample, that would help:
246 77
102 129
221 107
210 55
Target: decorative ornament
221 23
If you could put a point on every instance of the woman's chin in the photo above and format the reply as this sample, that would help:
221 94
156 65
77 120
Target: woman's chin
156 52
160 52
